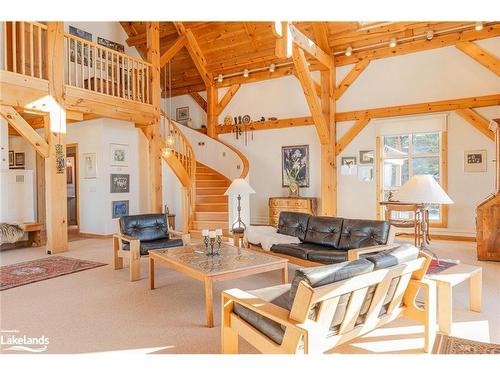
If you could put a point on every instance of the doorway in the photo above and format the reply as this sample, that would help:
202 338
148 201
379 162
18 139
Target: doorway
72 184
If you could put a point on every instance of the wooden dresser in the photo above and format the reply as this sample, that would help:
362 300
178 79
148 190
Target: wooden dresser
295 204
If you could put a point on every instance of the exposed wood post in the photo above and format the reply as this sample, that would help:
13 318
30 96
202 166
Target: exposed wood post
153 134
212 104
328 157
55 136
199 100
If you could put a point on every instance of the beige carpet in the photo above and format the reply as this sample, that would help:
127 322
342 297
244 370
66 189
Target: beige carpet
99 310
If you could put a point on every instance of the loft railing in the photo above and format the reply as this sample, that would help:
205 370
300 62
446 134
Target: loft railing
179 154
103 70
24 48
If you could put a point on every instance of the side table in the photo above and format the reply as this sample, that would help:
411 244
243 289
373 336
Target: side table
445 282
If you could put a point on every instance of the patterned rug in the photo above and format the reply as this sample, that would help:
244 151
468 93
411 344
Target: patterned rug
434 267
455 345
42 269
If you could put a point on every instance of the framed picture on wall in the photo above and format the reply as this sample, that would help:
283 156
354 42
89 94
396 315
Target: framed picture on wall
366 157
119 209
182 114
19 159
475 161
295 165
11 158
89 165
348 165
119 154
120 183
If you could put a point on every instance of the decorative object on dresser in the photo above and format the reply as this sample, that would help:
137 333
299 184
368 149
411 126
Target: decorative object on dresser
293 189
238 187
488 213
295 165
306 205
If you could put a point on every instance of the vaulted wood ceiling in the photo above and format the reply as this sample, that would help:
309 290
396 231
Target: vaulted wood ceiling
231 47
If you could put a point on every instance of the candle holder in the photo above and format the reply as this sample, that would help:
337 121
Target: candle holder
206 242
212 244
218 240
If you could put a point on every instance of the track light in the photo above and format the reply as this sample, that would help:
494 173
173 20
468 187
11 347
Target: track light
479 26
348 51
220 78
429 35
272 68
393 42
246 73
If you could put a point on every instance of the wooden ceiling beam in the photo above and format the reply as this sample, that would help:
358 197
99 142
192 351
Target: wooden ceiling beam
477 121
481 56
350 135
350 78
312 99
25 129
320 30
451 39
172 51
309 46
270 124
413 109
257 76
228 96
199 100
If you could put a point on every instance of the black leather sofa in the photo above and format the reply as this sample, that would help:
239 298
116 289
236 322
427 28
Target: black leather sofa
327 240
138 234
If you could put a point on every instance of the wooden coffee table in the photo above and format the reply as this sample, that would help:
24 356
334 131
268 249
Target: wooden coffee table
233 263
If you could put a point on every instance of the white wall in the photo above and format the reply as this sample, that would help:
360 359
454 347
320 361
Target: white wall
439 74
196 113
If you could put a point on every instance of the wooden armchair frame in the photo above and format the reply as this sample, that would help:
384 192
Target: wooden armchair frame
313 335
134 254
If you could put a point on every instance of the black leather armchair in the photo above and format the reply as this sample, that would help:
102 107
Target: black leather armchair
137 234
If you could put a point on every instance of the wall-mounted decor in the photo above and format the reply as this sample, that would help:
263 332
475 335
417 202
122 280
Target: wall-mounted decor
11 158
348 166
119 154
120 183
84 35
70 170
60 163
474 161
365 173
119 209
295 165
89 165
182 114
19 159
111 45
366 157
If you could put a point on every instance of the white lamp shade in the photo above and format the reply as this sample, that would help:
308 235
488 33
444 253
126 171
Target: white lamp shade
422 188
239 186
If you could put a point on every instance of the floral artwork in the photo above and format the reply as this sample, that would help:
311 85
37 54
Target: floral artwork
295 165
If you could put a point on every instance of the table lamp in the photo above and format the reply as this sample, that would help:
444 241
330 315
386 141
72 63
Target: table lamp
425 190
238 187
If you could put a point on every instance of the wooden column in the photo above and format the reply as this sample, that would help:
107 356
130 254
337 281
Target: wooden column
212 117
153 134
55 135
328 157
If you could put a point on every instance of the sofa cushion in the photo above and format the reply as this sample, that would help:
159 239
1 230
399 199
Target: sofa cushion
327 256
277 295
145 227
363 233
296 250
155 245
324 230
293 224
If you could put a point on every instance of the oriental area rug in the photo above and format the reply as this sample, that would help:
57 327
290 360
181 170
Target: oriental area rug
32 271
456 345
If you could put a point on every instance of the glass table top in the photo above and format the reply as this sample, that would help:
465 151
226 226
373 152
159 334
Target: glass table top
230 259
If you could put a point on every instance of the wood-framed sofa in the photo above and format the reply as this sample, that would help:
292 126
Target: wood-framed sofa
311 241
137 234
329 305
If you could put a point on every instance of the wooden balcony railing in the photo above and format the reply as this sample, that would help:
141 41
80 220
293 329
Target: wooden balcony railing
24 48
96 68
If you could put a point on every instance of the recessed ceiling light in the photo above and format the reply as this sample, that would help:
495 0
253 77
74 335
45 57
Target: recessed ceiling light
478 26
272 68
429 35
348 51
246 73
393 42
220 78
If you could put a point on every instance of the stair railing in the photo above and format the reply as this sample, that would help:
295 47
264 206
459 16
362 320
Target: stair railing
178 153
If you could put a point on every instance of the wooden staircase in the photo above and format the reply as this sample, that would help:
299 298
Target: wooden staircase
211 205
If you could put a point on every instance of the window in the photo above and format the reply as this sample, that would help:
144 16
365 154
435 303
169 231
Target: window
403 156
